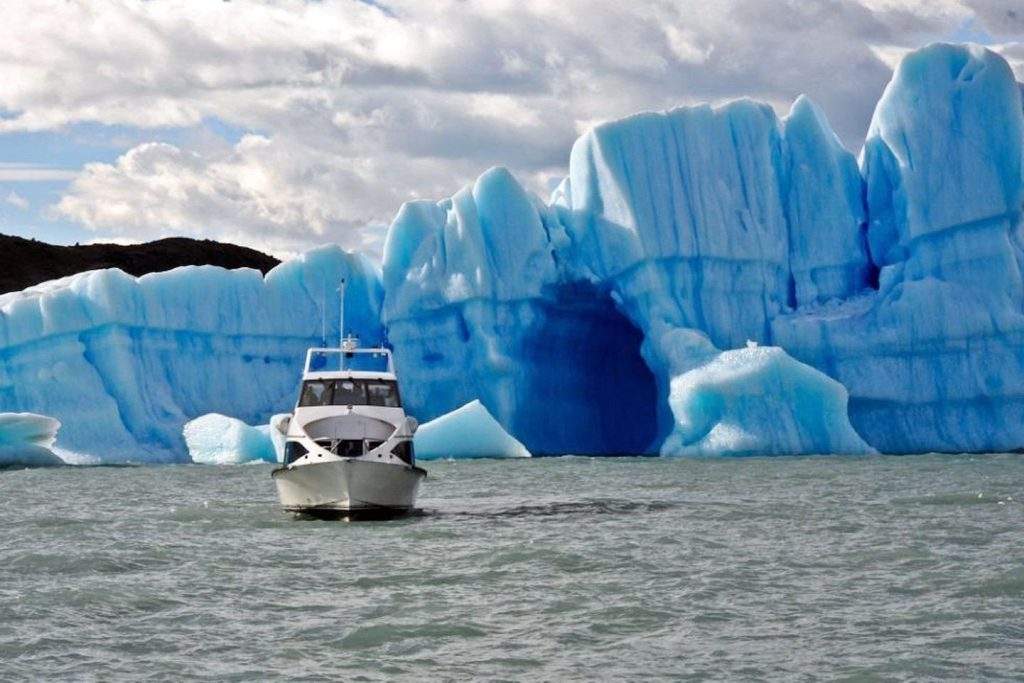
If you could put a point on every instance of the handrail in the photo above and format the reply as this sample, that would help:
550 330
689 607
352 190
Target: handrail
348 353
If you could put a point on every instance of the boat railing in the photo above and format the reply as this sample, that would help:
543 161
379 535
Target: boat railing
349 358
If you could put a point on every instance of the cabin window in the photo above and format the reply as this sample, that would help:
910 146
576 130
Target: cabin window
381 393
315 393
349 392
404 452
293 451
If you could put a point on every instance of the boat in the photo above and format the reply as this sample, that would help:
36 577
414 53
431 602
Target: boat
348 450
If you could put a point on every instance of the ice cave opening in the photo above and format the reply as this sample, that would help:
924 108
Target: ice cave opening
590 355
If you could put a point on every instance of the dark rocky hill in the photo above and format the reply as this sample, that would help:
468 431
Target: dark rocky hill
24 262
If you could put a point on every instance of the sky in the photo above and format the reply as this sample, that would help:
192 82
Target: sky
284 125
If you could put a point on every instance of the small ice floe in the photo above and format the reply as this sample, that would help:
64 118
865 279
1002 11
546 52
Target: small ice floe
466 432
215 439
26 440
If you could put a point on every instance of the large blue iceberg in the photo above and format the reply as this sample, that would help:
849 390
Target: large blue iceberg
478 307
933 357
124 362
705 281
709 228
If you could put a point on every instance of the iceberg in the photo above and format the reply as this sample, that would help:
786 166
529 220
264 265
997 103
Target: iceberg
758 401
705 280
220 440
124 362
701 228
934 358
466 432
477 306
26 440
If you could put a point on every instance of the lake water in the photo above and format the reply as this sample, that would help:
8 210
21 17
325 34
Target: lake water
567 568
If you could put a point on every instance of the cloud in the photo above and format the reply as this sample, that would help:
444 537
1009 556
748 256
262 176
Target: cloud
28 173
257 193
16 200
356 107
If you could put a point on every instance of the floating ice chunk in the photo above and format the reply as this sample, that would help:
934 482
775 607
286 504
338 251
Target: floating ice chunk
220 440
759 401
467 432
18 428
277 429
26 440
28 455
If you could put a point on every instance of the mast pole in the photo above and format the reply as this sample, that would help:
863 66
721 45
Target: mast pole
341 314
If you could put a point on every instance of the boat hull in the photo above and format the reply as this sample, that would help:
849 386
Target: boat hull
348 488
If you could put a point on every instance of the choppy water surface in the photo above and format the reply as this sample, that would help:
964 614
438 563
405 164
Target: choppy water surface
567 568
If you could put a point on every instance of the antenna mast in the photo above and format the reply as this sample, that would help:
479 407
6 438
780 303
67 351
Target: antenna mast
341 314
323 312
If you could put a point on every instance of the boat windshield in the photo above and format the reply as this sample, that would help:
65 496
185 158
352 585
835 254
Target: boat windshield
350 392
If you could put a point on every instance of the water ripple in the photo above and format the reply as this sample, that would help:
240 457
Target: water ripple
560 569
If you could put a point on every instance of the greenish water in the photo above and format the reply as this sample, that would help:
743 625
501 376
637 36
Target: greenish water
568 568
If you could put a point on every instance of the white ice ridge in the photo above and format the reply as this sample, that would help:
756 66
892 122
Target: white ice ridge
467 432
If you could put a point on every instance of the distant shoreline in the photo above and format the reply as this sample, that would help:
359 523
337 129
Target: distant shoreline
27 262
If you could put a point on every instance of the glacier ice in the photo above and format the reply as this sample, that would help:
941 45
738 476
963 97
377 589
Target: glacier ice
758 400
26 440
466 432
28 428
220 440
476 307
615 317
900 278
934 359
124 362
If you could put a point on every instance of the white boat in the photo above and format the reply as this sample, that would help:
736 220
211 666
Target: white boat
348 446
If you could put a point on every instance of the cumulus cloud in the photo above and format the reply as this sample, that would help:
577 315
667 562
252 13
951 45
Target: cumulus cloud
360 106
257 193
16 200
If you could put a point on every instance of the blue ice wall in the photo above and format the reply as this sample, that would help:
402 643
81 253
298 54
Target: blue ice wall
563 319
123 362
708 223
934 360
681 212
825 209
479 306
